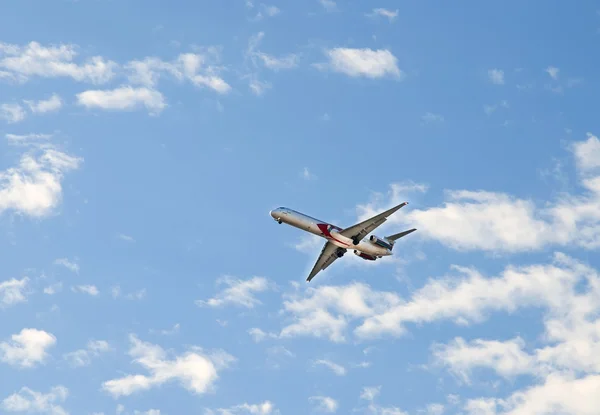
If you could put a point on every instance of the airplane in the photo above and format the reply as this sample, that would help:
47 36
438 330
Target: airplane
340 240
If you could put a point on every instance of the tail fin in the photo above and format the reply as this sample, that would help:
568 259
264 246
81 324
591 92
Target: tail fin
393 238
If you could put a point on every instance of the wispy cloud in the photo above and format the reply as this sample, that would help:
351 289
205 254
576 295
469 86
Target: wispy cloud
334 367
432 118
202 69
83 357
256 59
324 404
553 72
86 289
328 5
238 292
13 292
68 264
52 104
264 408
307 175
169 332
12 113
27 139
30 401
136 295
53 289
391 15
263 10
126 238
496 76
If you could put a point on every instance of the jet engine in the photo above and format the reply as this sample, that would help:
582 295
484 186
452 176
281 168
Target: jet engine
364 256
380 242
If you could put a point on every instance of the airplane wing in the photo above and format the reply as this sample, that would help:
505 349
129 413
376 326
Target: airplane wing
326 258
362 229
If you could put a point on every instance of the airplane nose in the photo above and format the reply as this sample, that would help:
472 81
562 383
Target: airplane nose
271 213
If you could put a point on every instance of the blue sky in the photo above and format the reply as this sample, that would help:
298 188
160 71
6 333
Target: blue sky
142 148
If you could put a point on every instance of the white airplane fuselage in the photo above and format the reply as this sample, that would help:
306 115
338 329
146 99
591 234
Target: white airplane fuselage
327 231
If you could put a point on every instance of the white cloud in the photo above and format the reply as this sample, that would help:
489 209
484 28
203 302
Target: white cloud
307 175
496 76
389 14
115 291
559 394
564 367
329 5
264 408
334 367
464 297
34 187
13 292
260 59
568 359
53 289
326 311
431 117
239 292
173 330
499 222
309 244
87 289
587 154
284 62
196 372
271 10
489 109
277 355
265 11
126 238
471 297
363 62
259 335
12 113
369 393
553 72
399 192
200 69
27 348
54 103
507 357
259 87
136 295
27 139
30 401
324 404
434 409
34 59
124 98
70 265
83 357
453 399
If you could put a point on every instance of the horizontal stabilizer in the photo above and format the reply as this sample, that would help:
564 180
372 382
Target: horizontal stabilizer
399 235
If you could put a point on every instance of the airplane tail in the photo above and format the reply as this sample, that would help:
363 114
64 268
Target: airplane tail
393 238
